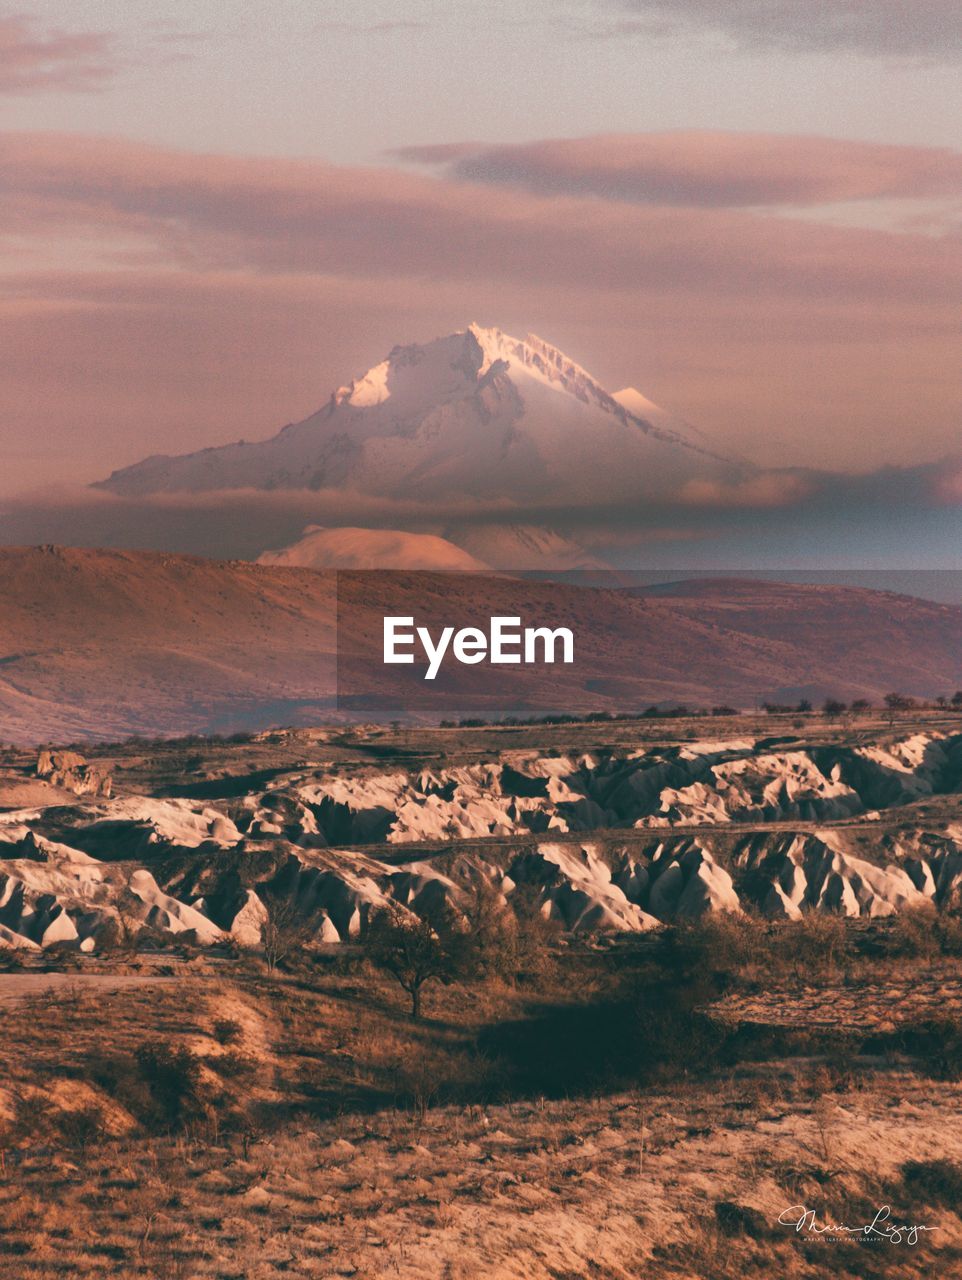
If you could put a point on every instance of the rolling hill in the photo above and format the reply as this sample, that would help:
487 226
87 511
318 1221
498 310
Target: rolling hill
101 644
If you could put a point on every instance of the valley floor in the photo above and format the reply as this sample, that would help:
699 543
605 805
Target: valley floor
324 1142
692 991
626 1186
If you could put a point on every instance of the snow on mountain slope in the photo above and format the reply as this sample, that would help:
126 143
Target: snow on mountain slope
371 549
632 400
516 546
477 414
465 547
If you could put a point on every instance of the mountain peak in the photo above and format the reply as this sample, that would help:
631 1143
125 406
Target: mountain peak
632 400
477 413
537 358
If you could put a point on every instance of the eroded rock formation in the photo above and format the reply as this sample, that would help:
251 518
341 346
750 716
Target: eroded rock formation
610 842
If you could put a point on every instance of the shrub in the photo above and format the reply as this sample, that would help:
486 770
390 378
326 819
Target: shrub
914 934
535 936
232 1064
741 1220
938 1042
606 1045
173 1077
815 945
227 1031
718 949
937 1182
81 1127
948 931
490 944
710 951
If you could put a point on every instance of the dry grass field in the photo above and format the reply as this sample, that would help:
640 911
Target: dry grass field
632 1111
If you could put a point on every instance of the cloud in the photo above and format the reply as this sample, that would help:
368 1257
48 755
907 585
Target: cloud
768 490
437 153
285 215
930 29
34 59
384 27
708 169
163 299
824 518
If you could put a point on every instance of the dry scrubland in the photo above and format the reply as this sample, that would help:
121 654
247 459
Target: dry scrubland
635 1104
640 1110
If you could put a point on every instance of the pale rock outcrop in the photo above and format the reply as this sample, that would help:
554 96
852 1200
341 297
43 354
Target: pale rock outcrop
70 771
577 889
819 872
164 913
12 941
632 878
138 826
686 882
241 916
779 905
55 926
760 788
325 934
424 889
68 872
700 784
38 889
920 873
247 926
344 887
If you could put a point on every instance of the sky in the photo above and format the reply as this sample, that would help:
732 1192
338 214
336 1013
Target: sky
213 213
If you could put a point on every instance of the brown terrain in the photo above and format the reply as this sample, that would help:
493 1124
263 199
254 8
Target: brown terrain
102 644
686 987
656 997
109 643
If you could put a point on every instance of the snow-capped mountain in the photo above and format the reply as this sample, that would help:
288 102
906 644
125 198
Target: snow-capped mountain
517 546
478 414
351 548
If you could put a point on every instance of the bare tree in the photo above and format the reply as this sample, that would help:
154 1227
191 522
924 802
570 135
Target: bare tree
122 932
284 932
410 949
491 943
537 935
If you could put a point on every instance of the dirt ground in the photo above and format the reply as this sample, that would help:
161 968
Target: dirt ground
684 1179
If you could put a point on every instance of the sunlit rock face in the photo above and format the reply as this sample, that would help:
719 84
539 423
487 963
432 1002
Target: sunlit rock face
611 842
